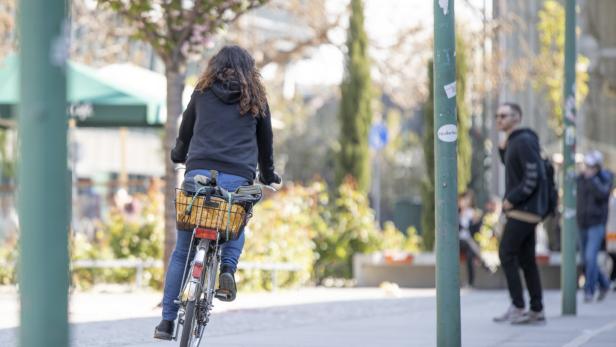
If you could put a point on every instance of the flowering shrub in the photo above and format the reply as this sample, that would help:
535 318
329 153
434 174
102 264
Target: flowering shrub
307 226
394 240
8 261
282 230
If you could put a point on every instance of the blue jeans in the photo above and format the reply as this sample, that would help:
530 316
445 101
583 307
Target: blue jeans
591 239
230 254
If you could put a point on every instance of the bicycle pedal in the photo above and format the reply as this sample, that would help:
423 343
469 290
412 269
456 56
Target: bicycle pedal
222 295
177 302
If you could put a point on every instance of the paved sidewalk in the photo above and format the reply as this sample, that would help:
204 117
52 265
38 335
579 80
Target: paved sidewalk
334 317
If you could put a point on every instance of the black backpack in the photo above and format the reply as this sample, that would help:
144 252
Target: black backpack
551 188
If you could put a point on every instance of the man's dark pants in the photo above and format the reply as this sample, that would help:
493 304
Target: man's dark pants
517 250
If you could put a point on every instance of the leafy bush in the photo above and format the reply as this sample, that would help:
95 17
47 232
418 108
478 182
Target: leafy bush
303 225
82 248
394 240
282 230
133 234
351 229
8 261
486 237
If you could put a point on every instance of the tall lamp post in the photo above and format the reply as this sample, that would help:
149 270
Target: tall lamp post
446 182
568 266
43 192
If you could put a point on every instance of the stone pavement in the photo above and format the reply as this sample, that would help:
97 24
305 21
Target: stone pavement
330 317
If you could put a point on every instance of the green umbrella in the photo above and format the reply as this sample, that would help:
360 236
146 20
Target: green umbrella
94 100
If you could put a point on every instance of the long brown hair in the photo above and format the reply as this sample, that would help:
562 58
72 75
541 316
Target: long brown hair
234 63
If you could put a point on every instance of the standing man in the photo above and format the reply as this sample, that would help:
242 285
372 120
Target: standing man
594 186
524 204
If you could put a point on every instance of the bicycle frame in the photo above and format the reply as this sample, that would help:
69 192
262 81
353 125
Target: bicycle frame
200 269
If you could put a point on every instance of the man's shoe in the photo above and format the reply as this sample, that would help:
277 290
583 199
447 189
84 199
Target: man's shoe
587 298
164 330
530 317
511 314
602 294
226 284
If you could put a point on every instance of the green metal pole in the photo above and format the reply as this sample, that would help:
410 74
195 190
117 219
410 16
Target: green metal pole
446 183
43 191
568 266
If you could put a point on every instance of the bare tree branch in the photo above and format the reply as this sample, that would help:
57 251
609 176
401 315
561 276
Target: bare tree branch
306 26
319 38
253 4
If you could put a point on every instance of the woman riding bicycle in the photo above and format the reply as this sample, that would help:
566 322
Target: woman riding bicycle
226 127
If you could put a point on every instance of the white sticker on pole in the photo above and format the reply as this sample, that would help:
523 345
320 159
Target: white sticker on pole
450 90
444 4
448 133
569 213
59 49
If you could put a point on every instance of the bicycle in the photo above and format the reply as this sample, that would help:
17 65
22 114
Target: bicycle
215 215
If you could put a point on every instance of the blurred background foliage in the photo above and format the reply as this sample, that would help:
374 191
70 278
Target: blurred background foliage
314 222
319 230
134 233
302 224
8 254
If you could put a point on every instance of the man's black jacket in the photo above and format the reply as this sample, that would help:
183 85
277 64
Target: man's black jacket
593 194
214 136
525 176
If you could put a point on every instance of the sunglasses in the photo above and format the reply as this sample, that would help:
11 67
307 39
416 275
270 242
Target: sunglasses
501 115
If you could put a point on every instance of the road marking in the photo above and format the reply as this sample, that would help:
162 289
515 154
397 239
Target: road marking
589 334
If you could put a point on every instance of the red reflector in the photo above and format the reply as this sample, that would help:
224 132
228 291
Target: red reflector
197 270
209 234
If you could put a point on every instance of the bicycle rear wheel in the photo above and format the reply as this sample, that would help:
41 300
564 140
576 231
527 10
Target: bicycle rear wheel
190 322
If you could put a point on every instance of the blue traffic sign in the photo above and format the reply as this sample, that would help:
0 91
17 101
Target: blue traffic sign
378 136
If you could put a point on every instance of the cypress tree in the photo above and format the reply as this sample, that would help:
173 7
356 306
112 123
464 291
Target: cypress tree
464 143
355 115
427 189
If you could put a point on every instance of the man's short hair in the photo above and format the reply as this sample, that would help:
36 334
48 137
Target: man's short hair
515 107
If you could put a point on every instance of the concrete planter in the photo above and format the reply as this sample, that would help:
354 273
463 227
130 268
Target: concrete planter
418 271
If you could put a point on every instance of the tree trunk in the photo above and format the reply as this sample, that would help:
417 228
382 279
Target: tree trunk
175 86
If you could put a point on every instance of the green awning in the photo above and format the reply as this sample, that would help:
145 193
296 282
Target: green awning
97 100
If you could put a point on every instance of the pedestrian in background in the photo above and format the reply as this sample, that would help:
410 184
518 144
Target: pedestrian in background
525 203
610 236
594 186
469 224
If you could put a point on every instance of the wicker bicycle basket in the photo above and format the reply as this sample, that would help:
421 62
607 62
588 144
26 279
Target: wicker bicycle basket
210 212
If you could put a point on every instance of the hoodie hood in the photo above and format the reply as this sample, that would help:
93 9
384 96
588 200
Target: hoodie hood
521 131
228 91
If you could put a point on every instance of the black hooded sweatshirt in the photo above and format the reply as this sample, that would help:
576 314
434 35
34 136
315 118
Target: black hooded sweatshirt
214 136
593 196
525 176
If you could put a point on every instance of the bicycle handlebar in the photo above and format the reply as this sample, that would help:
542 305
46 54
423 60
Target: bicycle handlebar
204 180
